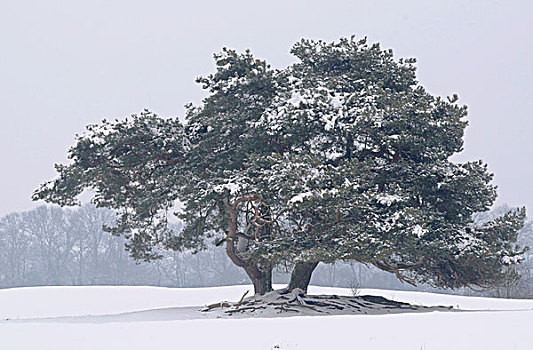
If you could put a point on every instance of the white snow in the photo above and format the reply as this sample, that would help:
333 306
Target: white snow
419 231
494 323
511 259
388 199
299 198
297 98
231 187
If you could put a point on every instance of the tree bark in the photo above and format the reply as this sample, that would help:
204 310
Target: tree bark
261 276
301 275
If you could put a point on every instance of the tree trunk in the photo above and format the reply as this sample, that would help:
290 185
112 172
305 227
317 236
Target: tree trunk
301 275
261 278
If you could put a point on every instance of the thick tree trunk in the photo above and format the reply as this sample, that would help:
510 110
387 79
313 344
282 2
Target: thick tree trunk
261 276
301 275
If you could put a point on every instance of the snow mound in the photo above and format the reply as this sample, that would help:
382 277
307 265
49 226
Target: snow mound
280 303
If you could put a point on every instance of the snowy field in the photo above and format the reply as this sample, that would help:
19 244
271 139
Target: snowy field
77 318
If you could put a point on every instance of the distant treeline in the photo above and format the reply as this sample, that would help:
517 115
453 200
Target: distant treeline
54 246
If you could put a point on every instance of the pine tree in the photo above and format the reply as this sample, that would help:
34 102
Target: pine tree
340 156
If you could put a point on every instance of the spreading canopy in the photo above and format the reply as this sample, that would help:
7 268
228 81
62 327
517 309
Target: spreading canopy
340 156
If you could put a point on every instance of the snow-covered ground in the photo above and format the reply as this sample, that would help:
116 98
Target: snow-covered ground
166 318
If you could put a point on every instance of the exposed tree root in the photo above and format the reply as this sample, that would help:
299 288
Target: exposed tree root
222 304
296 301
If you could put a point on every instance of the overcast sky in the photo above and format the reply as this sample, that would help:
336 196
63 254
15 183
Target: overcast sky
66 64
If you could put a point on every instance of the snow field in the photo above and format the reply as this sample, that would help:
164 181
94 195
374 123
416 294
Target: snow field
492 329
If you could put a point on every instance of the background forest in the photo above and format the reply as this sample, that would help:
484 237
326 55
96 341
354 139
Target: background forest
55 246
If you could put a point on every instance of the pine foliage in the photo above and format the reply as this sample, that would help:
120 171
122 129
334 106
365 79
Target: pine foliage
340 156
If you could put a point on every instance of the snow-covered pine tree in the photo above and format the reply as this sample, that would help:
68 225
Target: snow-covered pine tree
340 156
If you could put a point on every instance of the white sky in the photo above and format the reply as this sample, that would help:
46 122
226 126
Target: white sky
65 64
